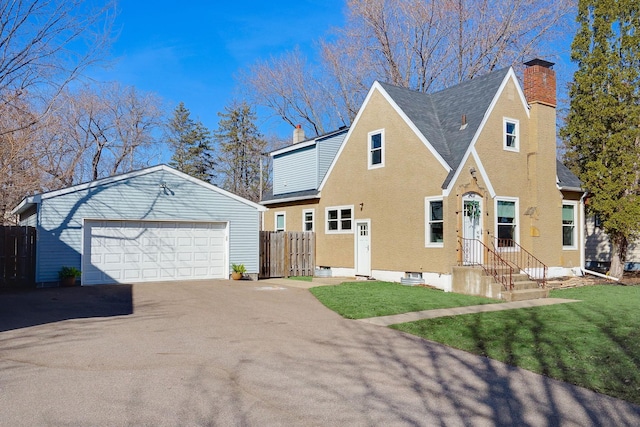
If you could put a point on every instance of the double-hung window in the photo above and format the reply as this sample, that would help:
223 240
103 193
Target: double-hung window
511 140
435 222
507 222
280 219
339 219
569 225
376 149
307 220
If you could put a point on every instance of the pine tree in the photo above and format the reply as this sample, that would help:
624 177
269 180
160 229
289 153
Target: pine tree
240 147
602 131
191 144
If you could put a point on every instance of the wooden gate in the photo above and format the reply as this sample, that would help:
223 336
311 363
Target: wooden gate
287 253
17 256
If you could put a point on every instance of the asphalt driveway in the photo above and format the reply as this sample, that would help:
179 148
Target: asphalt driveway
252 354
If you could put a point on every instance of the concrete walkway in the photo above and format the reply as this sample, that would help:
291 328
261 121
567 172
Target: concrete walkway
417 315
443 312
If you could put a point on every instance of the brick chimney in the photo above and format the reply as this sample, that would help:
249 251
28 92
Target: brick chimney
298 134
540 82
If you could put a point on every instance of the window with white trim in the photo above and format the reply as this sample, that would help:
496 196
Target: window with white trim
569 225
434 222
280 218
307 220
511 130
339 219
507 222
376 149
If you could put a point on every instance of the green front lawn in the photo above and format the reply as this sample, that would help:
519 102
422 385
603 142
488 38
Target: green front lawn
594 343
359 300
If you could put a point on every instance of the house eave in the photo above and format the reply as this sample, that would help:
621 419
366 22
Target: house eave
290 199
567 188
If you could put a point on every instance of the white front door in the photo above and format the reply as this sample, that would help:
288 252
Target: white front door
472 228
363 248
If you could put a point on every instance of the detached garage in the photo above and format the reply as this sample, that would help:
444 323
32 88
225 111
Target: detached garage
155 224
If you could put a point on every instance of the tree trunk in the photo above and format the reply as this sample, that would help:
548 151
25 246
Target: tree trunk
618 256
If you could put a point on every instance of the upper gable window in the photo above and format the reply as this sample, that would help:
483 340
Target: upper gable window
511 135
376 149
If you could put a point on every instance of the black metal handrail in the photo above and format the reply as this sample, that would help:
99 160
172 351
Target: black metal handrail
476 253
521 258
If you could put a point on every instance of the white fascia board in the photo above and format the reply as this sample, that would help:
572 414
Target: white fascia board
25 203
102 181
214 188
511 75
413 127
293 147
483 172
140 172
378 87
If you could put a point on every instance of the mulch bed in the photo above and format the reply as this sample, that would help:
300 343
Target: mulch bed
629 279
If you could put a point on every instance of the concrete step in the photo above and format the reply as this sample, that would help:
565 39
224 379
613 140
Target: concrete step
525 294
525 284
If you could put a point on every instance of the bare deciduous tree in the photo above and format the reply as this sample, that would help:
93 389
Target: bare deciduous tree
424 45
44 45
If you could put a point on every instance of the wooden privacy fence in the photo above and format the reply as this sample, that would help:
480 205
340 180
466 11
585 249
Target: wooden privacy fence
287 253
17 256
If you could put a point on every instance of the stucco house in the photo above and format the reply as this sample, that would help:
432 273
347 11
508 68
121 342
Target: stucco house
154 224
423 183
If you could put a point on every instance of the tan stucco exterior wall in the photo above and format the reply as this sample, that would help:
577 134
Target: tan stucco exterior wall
393 197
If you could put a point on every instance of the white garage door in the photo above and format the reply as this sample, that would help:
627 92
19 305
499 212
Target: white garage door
146 251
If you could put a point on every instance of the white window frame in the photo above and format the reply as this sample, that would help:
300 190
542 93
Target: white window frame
313 219
516 122
370 150
339 209
574 244
427 217
284 221
516 229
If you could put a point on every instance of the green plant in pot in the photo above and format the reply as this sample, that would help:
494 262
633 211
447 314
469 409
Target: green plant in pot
237 270
68 275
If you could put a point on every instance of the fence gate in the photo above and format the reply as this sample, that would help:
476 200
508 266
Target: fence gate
17 256
287 253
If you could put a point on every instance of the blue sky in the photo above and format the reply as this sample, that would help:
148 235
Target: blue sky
190 51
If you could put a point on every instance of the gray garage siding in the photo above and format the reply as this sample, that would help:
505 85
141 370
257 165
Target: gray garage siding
141 198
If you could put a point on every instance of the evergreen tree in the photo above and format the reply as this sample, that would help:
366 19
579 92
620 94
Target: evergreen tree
191 144
602 133
240 148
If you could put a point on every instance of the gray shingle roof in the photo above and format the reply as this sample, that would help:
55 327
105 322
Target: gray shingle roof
566 178
438 116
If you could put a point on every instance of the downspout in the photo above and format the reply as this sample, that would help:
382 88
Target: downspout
582 245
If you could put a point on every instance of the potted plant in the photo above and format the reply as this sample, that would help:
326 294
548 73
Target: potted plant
237 270
68 275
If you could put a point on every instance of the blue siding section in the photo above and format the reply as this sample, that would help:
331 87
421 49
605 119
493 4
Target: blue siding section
327 150
140 198
295 171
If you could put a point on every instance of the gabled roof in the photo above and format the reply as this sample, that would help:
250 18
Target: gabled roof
36 199
438 116
566 179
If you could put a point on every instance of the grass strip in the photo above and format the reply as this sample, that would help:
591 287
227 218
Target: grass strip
362 299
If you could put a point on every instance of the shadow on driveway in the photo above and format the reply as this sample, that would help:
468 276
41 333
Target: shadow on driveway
24 308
